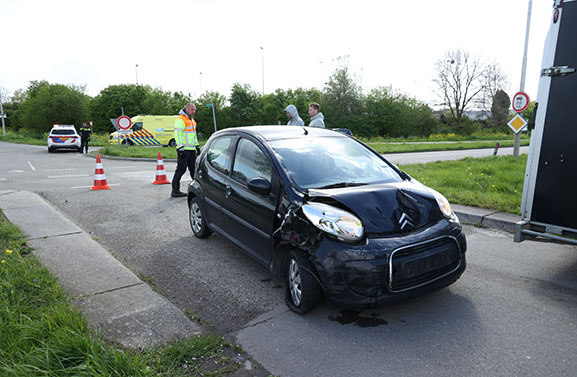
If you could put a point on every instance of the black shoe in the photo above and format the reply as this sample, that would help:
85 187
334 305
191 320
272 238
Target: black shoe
178 194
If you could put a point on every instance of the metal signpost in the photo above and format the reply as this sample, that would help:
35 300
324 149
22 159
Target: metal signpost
213 116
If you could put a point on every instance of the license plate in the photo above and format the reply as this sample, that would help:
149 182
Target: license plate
425 265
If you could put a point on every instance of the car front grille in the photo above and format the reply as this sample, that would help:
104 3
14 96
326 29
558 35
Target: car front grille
419 264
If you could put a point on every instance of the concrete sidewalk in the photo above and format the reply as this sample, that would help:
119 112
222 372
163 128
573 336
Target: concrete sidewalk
113 299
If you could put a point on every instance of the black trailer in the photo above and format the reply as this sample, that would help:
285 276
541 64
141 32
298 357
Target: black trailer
549 205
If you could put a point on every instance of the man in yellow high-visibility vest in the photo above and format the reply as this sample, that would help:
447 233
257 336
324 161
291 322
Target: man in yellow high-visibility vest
187 146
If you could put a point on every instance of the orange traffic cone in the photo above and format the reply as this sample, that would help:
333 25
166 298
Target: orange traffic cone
99 177
160 173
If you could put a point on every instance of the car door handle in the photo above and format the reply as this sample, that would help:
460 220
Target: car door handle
227 191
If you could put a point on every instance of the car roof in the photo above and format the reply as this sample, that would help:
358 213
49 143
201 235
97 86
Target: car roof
273 132
63 126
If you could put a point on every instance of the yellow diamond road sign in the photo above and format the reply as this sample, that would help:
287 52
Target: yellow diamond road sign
517 123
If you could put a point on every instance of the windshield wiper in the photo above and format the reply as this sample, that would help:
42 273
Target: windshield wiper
342 184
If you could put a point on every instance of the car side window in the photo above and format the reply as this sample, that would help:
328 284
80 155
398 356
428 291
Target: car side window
250 162
137 126
218 155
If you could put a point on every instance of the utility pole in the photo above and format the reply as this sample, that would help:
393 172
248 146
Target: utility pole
136 70
517 142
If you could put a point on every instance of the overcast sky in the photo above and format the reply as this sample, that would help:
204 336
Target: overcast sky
194 46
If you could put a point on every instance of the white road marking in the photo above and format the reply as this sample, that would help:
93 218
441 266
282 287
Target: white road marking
15 171
137 172
79 187
68 176
120 167
2 179
71 169
31 166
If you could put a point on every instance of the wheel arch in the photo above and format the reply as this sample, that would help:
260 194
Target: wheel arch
280 258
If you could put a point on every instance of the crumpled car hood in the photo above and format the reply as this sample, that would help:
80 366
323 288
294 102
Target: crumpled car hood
389 208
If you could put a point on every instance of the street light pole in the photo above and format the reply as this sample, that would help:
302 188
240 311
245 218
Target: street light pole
262 49
199 84
517 142
2 115
322 74
136 70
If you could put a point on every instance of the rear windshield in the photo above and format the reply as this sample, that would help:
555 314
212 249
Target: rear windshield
62 132
325 161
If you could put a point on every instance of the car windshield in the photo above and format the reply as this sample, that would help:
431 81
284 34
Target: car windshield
331 162
63 131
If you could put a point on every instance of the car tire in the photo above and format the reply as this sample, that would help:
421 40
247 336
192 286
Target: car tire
50 150
172 143
302 288
197 220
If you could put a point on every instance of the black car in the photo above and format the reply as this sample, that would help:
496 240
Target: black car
327 213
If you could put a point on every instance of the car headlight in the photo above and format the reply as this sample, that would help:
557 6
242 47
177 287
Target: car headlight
444 205
335 221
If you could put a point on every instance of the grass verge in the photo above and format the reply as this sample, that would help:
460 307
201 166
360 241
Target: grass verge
42 335
494 182
429 147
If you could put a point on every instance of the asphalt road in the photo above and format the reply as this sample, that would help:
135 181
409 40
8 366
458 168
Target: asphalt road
512 313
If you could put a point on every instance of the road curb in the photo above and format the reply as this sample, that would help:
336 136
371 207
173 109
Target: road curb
113 299
486 217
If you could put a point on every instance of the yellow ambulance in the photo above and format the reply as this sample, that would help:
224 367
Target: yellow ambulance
147 130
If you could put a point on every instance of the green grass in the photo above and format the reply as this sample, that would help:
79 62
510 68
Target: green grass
25 138
41 138
494 182
42 335
405 147
152 152
139 152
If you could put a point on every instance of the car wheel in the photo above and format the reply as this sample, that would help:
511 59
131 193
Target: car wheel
197 221
303 290
50 150
172 143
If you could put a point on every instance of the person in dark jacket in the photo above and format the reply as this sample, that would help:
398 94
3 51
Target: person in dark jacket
85 132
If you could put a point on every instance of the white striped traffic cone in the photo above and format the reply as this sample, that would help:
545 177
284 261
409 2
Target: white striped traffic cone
160 173
99 177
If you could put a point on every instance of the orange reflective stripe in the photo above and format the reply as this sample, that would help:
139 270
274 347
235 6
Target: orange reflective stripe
189 126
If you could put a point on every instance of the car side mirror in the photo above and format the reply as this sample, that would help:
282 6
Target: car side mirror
260 185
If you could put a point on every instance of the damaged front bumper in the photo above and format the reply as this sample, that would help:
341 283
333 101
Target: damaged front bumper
384 270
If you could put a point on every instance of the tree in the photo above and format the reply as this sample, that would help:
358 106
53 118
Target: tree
342 102
459 82
108 104
243 109
500 109
49 104
205 123
342 94
396 115
159 102
493 80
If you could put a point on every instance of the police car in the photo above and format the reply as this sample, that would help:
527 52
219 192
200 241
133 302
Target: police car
63 137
